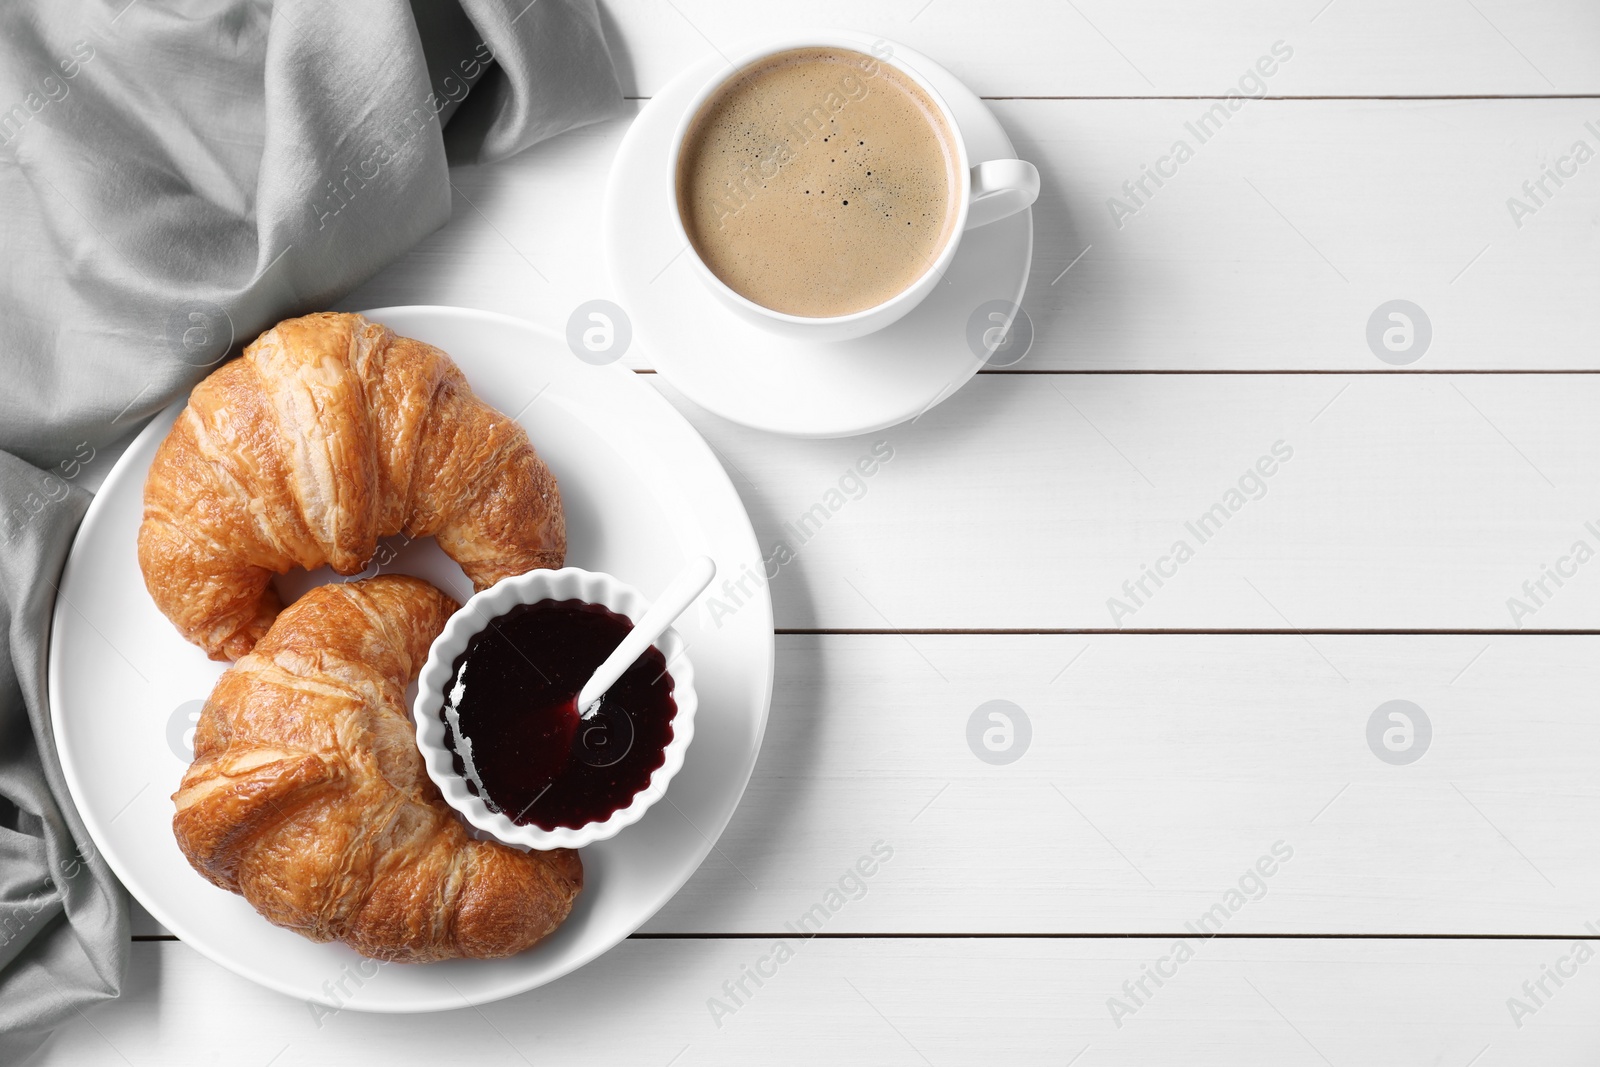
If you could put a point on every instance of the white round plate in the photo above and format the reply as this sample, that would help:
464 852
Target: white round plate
747 375
643 494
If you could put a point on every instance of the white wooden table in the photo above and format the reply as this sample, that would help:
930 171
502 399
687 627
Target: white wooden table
1423 907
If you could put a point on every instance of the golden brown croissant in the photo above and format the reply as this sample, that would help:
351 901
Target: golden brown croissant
329 433
308 796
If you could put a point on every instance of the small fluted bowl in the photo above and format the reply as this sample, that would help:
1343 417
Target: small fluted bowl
568 583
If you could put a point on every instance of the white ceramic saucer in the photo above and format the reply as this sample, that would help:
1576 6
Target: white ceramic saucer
805 389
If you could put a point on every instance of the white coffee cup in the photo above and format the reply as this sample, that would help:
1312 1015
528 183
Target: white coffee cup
985 193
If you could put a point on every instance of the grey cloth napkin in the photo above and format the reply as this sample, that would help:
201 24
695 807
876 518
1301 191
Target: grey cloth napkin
175 177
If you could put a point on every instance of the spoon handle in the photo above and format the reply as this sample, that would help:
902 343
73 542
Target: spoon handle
673 602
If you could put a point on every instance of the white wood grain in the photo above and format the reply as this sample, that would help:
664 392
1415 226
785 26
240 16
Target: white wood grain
913 1002
1276 242
1166 47
1160 769
1026 501
1269 249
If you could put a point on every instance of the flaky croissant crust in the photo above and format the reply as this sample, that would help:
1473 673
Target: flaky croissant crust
327 434
308 796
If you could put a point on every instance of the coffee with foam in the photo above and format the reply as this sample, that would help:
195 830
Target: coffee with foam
818 182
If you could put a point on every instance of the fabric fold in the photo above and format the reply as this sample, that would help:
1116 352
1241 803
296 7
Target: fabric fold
175 182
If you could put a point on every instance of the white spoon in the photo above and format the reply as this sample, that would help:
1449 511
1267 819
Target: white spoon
676 598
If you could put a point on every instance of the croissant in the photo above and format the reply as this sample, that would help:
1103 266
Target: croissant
308 796
327 434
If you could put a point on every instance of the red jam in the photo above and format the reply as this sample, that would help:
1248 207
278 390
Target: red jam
514 692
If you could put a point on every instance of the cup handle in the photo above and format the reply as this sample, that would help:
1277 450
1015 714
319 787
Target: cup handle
1000 188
